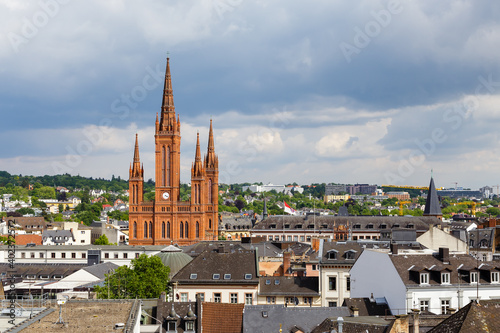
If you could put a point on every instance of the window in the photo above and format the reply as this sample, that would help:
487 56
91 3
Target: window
106 255
53 255
314 267
136 255
41 254
84 255
135 230
349 254
189 325
184 297
82 241
227 276
234 298
308 300
445 305
445 278
125 255
302 238
424 278
424 305
216 276
63 255
332 254
308 238
332 304
201 296
295 238
193 276
171 326
150 229
248 299
268 281
495 277
217 297
32 255
23 255
116 255
473 277
163 229
197 230
145 229
289 238
276 282
348 283
181 230
248 276
73 255
332 283
271 300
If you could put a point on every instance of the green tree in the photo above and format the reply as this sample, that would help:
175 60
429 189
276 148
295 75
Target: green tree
25 211
102 240
146 278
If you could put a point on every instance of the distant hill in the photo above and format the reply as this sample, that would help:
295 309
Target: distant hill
69 181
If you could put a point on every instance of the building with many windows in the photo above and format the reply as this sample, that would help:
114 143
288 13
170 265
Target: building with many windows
435 282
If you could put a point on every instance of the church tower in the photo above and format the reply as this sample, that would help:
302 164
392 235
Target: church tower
167 219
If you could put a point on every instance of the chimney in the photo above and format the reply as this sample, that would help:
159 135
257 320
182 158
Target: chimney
444 255
287 255
355 311
220 248
340 323
394 248
416 320
315 244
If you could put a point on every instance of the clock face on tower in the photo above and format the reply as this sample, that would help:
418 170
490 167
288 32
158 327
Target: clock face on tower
165 195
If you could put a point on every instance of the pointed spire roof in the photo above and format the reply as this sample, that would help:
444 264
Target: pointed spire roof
167 117
136 150
198 165
211 160
136 170
432 205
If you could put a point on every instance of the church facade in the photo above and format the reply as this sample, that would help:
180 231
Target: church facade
167 219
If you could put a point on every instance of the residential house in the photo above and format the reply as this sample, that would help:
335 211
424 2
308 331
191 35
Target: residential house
58 237
435 282
221 276
335 261
289 290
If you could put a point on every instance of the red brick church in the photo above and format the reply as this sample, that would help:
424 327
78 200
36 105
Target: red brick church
167 219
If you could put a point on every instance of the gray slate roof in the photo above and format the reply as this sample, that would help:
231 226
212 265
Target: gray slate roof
432 205
100 270
289 286
267 318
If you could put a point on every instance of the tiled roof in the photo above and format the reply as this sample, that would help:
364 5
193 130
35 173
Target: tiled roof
355 325
23 270
367 307
236 267
100 270
345 252
24 239
289 286
327 222
197 248
180 308
221 317
409 266
472 318
267 318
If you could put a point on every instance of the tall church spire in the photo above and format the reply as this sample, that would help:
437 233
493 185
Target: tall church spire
167 119
136 168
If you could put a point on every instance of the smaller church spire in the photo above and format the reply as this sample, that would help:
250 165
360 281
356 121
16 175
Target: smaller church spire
211 160
198 165
136 169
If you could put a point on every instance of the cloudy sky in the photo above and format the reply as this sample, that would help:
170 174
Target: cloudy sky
370 91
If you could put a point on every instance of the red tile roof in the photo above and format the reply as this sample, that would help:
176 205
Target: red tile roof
222 317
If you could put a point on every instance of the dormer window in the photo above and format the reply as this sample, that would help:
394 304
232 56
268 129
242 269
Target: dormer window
424 278
445 278
495 277
310 226
268 281
369 226
193 276
473 277
216 276
287 226
248 276
350 254
227 276
332 254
